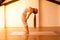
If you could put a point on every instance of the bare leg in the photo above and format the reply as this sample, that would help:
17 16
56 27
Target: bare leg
27 30
26 27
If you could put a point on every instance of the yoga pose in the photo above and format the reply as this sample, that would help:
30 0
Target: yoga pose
25 17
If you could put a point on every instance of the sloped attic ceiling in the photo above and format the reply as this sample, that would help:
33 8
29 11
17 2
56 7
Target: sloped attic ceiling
55 1
6 2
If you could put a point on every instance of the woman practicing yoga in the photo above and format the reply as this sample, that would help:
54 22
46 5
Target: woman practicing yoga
30 10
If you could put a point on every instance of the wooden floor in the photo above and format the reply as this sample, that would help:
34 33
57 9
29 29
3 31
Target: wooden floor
8 35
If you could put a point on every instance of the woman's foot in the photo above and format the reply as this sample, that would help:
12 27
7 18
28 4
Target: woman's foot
26 32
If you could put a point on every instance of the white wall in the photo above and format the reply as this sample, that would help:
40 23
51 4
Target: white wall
49 13
1 16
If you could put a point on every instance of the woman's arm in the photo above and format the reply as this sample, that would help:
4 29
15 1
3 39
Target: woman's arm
30 10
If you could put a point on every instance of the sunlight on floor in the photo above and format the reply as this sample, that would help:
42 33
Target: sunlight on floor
35 33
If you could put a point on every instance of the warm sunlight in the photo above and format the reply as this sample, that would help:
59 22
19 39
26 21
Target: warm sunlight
13 14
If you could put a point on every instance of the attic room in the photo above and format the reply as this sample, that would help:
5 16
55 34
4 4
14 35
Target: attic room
42 24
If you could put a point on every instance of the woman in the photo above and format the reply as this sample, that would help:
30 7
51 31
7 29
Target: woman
25 17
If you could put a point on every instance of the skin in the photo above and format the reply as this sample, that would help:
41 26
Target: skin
25 17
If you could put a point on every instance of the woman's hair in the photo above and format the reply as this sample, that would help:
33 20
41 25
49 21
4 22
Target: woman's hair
35 10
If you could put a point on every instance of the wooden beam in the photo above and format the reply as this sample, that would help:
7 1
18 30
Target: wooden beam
8 2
